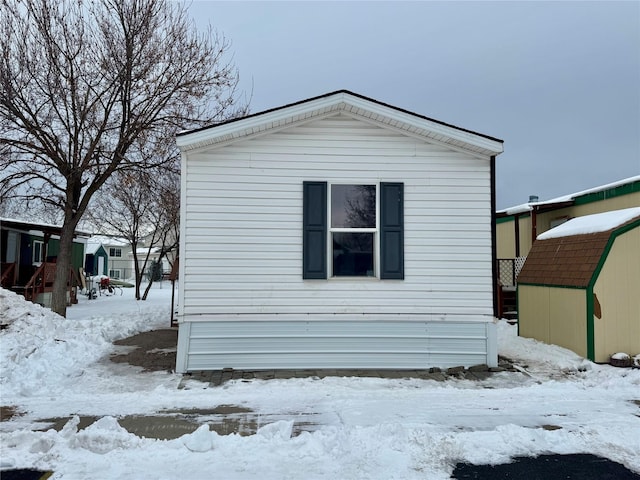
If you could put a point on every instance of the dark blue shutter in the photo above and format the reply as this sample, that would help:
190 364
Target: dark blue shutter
392 231
314 241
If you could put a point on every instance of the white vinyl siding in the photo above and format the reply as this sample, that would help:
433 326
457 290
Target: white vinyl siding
242 225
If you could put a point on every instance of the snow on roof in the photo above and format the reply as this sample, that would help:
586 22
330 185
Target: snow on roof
527 207
599 222
28 224
92 247
110 241
145 250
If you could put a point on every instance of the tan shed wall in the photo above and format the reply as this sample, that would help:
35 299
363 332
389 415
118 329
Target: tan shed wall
618 292
554 315
506 238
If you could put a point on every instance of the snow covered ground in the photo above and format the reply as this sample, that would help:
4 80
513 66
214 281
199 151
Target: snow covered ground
372 428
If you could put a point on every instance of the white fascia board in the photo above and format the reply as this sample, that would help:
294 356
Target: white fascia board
208 135
432 127
407 122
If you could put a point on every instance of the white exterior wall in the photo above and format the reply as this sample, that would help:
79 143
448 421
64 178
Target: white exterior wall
241 238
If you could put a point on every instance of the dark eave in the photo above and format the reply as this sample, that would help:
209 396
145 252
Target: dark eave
41 227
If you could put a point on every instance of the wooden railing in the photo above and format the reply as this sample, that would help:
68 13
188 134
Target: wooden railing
42 282
8 275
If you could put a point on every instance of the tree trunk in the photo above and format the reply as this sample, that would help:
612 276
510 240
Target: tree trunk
63 264
146 290
136 268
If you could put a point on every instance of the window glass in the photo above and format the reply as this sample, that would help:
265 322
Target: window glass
38 251
353 254
353 234
353 206
115 252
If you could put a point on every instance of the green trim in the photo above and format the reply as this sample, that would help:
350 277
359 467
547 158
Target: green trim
618 191
605 253
594 278
614 192
570 287
518 309
590 326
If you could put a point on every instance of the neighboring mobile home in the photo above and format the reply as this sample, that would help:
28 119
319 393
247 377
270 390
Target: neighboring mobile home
579 287
517 227
336 232
28 252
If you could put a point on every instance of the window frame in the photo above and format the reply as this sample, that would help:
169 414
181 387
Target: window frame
119 276
34 260
375 230
117 252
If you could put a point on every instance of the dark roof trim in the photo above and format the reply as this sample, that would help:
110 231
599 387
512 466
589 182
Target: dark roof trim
42 227
537 208
226 122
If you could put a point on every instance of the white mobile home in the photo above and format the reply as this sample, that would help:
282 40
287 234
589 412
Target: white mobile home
336 232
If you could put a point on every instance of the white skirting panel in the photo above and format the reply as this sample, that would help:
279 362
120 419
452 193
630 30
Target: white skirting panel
344 344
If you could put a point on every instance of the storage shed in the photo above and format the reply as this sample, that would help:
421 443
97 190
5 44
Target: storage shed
336 232
579 285
96 260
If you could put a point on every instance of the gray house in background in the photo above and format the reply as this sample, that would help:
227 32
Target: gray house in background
336 232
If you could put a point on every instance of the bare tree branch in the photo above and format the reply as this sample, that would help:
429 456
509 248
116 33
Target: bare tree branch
81 83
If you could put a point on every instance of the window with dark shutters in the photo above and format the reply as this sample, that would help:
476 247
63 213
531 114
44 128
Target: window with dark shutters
315 235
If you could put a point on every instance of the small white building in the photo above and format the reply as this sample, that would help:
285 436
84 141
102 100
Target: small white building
336 232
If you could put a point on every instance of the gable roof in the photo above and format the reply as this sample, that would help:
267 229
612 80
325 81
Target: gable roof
341 101
92 247
571 260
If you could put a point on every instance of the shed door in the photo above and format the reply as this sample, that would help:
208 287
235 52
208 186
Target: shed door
100 265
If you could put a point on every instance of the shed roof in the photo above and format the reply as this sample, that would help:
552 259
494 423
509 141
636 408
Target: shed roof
92 247
342 101
568 261
564 261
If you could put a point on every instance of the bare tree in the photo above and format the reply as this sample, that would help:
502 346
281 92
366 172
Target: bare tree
83 83
142 207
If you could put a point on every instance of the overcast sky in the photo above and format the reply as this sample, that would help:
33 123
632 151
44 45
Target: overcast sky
559 82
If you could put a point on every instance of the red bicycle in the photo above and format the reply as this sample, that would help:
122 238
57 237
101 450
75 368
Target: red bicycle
108 288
